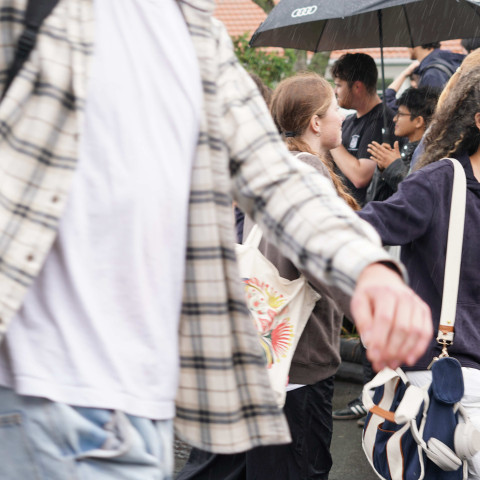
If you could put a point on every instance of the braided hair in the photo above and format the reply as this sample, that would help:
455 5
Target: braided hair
295 101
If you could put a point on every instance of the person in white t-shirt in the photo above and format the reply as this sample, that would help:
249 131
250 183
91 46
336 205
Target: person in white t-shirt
119 283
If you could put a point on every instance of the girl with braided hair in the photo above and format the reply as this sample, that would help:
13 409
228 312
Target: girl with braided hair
417 218
306 113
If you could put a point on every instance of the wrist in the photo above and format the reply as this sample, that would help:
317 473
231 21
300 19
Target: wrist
384 269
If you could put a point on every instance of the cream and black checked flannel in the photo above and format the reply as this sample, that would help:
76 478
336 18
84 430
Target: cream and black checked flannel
224 403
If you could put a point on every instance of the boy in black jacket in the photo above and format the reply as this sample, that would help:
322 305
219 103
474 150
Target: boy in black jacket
415 109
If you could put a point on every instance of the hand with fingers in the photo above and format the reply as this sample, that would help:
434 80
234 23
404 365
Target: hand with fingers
395 325
383 154
411 68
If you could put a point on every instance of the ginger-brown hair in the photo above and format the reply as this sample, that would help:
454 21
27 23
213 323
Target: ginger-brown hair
295 101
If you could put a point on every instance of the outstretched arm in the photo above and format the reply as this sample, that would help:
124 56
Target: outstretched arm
300 212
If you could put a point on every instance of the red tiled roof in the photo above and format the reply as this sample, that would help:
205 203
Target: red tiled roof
453 45
239 16
396 52
388 52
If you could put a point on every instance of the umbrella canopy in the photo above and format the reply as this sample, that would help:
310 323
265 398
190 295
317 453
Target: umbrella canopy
325 25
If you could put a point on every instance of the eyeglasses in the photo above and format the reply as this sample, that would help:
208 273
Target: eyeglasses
399 114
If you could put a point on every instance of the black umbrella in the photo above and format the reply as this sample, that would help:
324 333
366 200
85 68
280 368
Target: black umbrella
325 25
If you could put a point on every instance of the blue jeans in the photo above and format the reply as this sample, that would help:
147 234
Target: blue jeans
44 440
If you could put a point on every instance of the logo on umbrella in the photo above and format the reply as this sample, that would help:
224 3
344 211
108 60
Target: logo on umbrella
302 12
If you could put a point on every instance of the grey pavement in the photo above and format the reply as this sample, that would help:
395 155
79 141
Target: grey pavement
349 462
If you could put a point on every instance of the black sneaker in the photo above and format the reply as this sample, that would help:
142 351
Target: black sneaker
352 411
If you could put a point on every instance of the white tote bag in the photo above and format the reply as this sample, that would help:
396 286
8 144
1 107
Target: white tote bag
279 307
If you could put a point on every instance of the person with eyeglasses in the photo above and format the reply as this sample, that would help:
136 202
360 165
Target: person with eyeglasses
415 109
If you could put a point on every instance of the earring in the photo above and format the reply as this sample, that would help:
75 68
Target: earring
318 134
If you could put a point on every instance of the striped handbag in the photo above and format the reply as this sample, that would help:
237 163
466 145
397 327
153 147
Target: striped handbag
423 433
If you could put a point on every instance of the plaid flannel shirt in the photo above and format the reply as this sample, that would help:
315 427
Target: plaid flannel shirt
224 402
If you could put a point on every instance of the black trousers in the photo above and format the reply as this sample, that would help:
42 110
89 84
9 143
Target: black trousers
309 414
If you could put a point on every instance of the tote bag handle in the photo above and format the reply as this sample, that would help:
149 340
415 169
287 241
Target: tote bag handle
254 237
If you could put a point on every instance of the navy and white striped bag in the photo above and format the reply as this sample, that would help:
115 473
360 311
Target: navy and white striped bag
423 433
415 433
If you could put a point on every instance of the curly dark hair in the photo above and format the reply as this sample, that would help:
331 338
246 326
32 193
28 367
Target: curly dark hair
453 129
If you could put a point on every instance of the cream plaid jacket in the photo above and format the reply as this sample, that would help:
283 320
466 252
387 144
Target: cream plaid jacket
224 403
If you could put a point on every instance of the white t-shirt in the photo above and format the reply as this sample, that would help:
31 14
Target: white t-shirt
99 326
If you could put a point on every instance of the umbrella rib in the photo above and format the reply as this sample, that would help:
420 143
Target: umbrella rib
408 25
320 36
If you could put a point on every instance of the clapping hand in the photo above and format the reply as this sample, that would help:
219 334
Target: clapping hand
383 154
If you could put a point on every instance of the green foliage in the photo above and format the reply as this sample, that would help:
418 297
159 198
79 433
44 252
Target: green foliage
348 330
266 5
319 62
345 333
271 67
